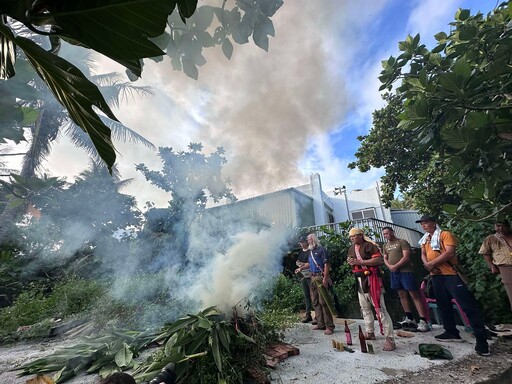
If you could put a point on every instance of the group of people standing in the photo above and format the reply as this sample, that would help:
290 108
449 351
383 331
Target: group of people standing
438 257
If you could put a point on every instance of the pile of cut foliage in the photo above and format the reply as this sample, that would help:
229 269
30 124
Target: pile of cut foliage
206 348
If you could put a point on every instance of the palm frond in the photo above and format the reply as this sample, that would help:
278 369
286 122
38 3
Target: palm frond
123 133
107 79
80 139
117 92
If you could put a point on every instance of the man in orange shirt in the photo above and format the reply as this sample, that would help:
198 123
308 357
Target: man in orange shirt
438 256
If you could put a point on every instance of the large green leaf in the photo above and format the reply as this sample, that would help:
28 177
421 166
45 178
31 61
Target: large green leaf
124 356
454 138
75 92
214 342
186 8
7 56
119 29
168 349
262 29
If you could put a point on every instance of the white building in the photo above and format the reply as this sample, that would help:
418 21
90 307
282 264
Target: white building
309 206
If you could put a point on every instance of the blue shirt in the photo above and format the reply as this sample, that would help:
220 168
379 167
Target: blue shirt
320 255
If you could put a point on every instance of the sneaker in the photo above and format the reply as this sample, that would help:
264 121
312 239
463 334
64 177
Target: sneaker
482 348
408 324
423 326
445 336
307 319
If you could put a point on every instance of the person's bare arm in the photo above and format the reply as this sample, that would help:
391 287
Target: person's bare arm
488 260
303 267
325 280
406 256
386 261
442 258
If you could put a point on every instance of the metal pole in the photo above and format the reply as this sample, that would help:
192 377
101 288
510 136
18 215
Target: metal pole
346 202
380 201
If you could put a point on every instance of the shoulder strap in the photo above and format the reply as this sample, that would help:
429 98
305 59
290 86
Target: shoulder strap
314 261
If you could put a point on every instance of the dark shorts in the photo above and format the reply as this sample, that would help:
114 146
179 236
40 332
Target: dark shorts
404 280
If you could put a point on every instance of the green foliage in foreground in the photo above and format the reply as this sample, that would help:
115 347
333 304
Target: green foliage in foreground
106 354
206 348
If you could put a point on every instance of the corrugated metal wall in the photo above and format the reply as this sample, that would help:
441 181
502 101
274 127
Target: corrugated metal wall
289 207
406 219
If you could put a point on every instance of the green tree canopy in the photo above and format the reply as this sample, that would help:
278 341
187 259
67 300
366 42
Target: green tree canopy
191 178
444 137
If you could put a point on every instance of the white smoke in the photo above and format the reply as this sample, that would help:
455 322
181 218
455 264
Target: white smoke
238 272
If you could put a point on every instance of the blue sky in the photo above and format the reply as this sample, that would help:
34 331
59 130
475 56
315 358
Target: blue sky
375 38
283 114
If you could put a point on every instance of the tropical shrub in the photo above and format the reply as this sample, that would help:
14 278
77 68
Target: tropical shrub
35 310
286 295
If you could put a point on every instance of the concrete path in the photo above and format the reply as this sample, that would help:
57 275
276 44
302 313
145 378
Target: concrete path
319 363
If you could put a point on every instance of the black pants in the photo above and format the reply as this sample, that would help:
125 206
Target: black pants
306 287
448 287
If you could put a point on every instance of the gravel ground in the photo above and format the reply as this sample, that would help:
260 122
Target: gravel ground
14 356
319 363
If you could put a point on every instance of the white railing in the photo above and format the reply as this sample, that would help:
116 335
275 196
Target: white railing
376 225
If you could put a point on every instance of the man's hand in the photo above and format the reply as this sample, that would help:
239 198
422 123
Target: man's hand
431 266
353 261
495 269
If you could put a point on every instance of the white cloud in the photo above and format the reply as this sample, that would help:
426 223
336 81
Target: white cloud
265 109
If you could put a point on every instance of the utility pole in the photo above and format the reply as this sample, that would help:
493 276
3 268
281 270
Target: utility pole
380 201
339 191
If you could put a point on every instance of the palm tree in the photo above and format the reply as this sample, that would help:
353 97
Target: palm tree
51 121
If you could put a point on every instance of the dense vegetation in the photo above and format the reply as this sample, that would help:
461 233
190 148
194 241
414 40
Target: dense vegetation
448 120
